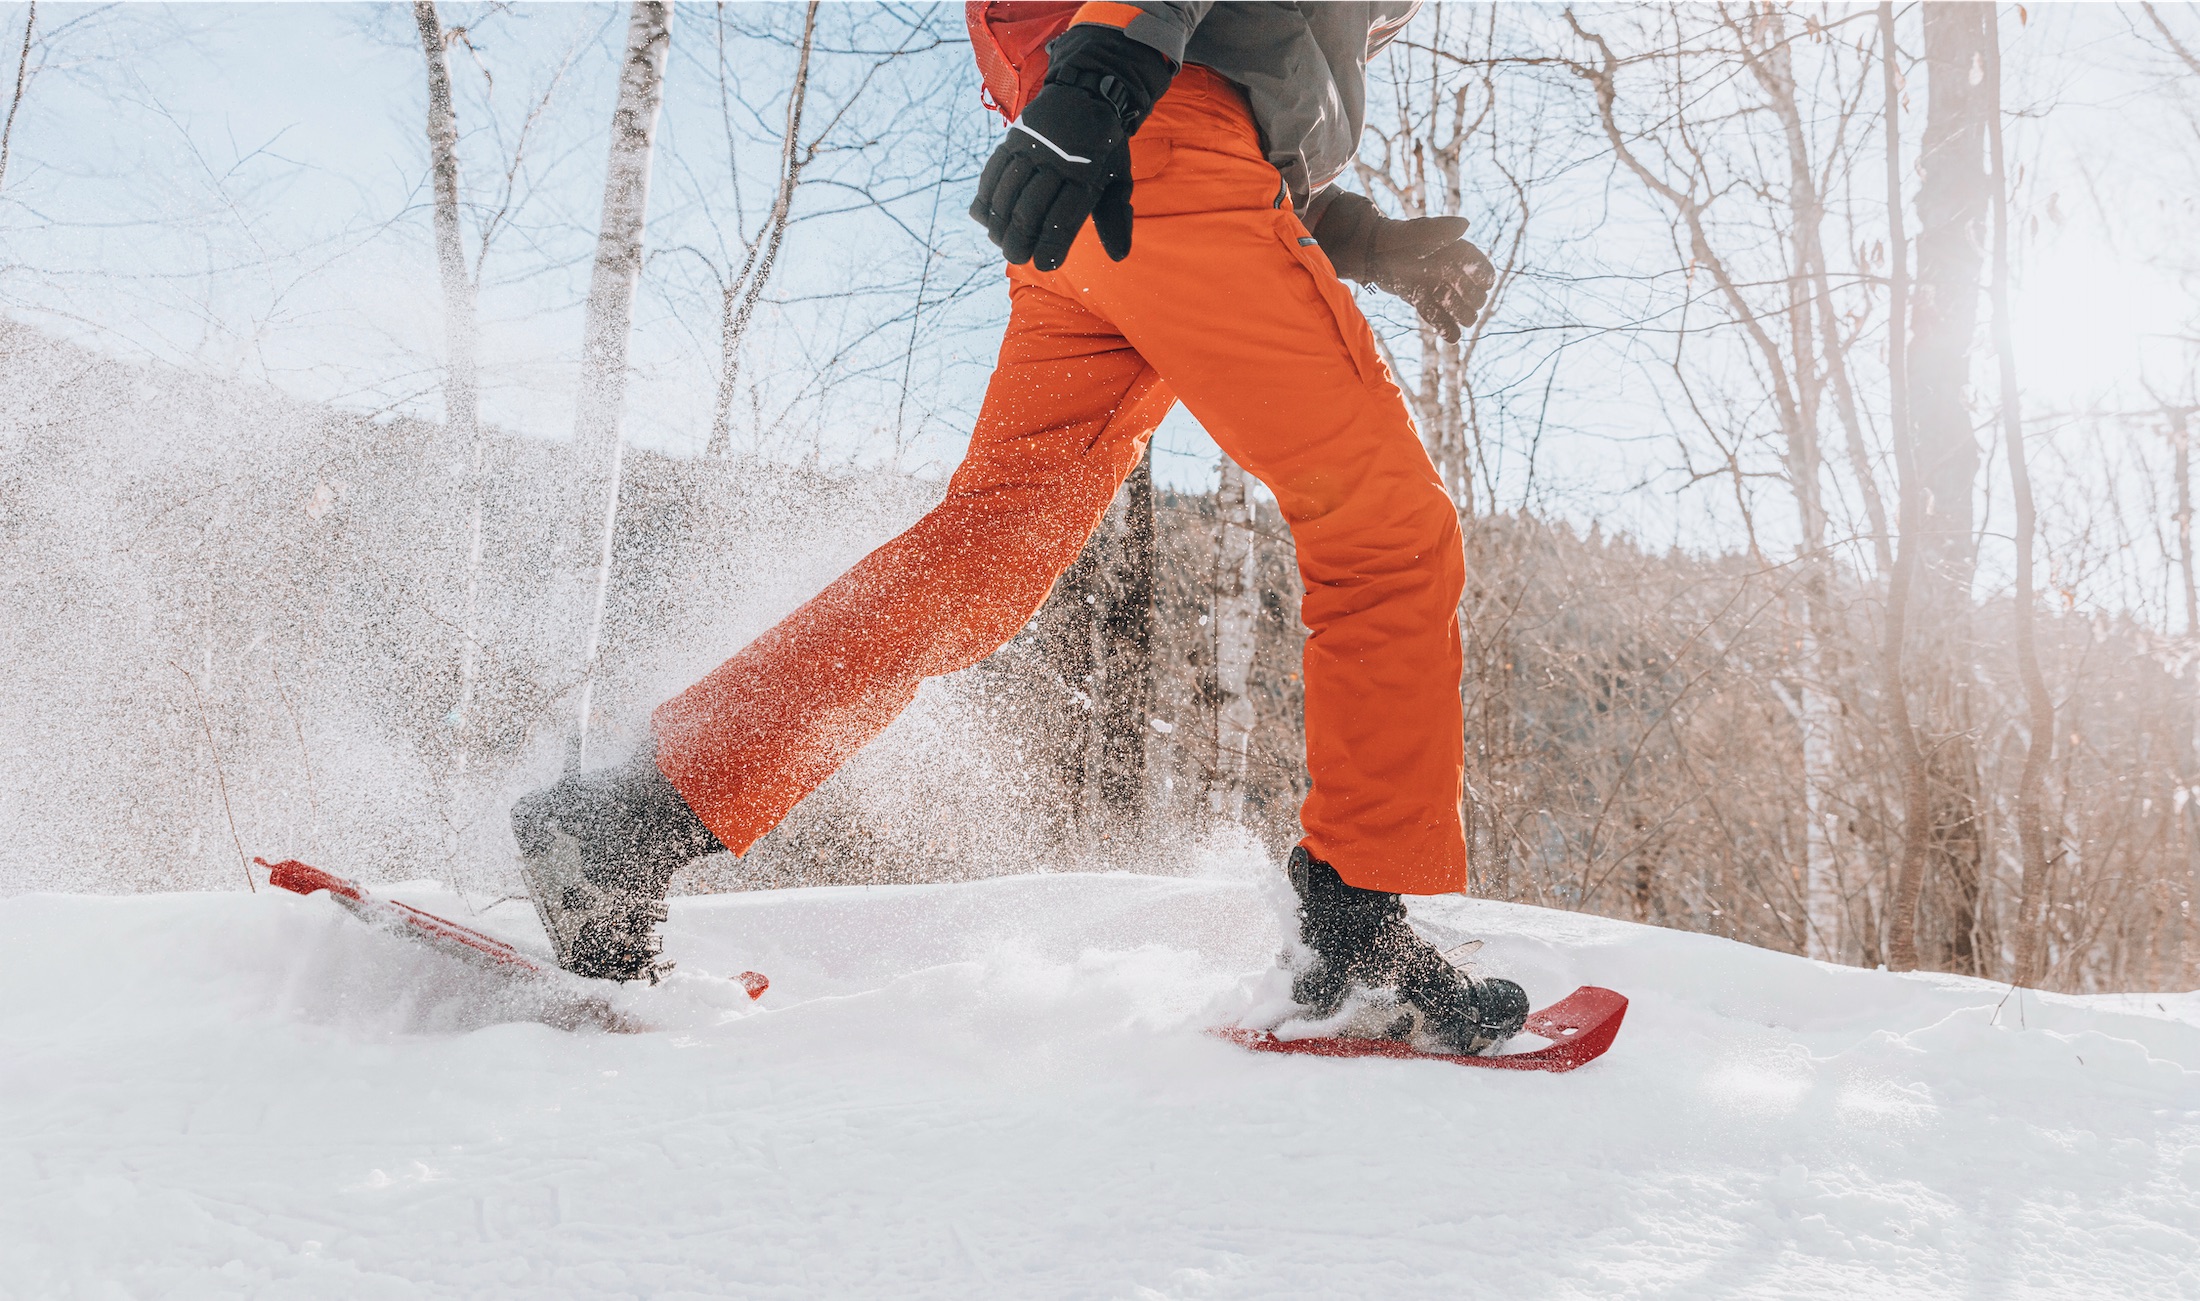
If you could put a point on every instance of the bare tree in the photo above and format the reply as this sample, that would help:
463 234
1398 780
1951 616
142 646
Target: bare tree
2031 819
1819 354
1707 159
1235 606
2179 422
609 321
1916 780
461 400
461 384
1953 199
738 297
1098 638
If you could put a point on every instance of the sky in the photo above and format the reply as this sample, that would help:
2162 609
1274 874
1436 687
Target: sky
244 185
241 189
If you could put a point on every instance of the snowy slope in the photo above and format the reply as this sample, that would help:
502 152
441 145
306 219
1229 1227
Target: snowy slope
1001 1089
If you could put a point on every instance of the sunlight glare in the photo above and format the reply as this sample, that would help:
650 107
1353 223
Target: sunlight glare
2091 324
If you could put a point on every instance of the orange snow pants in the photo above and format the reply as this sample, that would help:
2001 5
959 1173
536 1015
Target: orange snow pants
1227 304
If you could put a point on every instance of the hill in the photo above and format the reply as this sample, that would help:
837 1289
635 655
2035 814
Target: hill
1002 1088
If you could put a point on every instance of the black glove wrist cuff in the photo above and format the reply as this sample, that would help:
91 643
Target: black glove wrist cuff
1101 61
1346 234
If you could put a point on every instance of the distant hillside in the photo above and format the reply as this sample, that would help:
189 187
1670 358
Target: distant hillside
233 619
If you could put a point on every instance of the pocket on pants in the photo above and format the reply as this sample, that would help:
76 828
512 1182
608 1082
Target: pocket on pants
1352 328
1149 155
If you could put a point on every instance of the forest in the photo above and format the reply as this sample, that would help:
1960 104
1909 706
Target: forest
388 433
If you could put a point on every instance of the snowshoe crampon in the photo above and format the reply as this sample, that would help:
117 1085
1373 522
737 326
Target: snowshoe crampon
1580 1026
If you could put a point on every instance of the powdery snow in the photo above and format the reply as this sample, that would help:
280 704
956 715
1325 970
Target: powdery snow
1002 1089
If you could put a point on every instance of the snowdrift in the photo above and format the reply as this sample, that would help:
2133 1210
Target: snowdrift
1002 1088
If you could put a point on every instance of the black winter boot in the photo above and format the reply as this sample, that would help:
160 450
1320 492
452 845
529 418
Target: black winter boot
1361 941
598 850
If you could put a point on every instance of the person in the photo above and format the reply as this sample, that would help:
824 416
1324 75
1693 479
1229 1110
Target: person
1165 199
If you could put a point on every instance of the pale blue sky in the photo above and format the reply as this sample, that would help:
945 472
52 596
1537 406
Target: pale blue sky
239 188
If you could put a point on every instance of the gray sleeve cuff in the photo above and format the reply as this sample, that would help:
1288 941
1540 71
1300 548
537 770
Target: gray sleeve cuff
1311 217
1167 25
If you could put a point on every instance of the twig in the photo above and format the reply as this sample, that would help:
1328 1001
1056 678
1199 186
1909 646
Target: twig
764 253
221 779
305 756
22 75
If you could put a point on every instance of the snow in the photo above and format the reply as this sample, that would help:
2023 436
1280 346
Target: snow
1002 1088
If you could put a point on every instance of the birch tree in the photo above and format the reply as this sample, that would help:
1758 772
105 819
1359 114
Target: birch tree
460 398
1819 348
609 323
1743 175
461 382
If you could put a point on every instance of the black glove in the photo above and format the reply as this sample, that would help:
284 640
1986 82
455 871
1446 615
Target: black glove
1425 261
1068 156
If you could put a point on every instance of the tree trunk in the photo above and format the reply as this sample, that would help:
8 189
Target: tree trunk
1916 782
1126 647
609 321
459 383
1819 716
2031 813
1953 200
1817 712
1098 636
1953 197
2180 440
461 401
2180 445
1234 613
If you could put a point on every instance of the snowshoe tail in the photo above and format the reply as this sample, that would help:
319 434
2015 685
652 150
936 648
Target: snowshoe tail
565 1000
462 942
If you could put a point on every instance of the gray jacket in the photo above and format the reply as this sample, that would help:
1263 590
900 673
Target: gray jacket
1303 66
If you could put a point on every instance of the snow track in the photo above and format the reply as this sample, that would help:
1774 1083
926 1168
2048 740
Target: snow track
1002 1089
